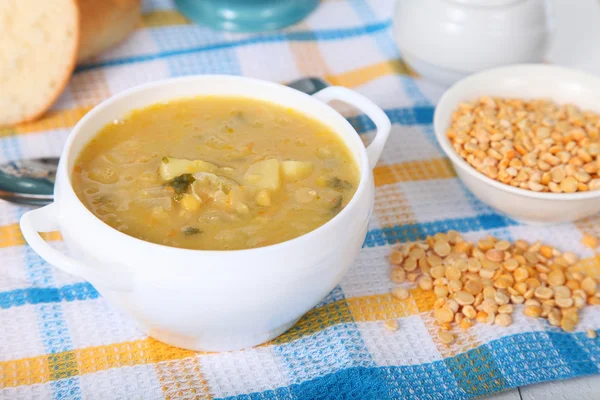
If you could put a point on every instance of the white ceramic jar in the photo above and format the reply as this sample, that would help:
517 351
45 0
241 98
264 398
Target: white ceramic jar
210 300
446 40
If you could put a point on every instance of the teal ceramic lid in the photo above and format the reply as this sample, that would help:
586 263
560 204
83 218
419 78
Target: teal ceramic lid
246 15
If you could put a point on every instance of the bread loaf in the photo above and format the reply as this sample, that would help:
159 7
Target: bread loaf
40 42
38 50
105 23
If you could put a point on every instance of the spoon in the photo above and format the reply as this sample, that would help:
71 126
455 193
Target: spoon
32 181
28 181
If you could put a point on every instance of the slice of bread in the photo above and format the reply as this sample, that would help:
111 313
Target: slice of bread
104 23
38 50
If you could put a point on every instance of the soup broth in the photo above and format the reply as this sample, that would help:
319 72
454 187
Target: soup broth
215 173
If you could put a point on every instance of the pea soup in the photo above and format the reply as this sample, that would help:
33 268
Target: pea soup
215 173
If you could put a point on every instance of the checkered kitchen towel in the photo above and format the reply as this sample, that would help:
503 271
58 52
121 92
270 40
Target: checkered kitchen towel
60 339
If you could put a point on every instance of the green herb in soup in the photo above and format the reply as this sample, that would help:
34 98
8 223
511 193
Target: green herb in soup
215 173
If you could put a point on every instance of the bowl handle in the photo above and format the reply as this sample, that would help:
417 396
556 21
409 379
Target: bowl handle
45 220
373 111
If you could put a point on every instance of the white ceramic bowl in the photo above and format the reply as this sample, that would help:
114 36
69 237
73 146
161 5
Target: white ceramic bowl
210 300
563 85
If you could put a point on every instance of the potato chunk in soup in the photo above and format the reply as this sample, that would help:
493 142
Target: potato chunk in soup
215 173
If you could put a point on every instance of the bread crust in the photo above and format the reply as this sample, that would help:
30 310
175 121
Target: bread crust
104 23
62 81
98 25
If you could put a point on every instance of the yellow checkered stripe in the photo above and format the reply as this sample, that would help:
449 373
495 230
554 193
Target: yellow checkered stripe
379 307
10 235
419 170
69 117
35 370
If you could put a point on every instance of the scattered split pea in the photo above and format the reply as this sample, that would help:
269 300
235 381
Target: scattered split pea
483 281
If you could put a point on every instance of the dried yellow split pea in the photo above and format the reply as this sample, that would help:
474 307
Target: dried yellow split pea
589 241
534 144
446 337
400 293
483 281
591 334
391 325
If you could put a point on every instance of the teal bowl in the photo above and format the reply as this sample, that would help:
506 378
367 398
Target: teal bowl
246 15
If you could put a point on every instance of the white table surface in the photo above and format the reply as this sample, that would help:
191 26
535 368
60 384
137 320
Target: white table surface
575 43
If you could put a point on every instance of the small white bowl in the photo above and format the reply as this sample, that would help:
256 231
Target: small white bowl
562 85
201 299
